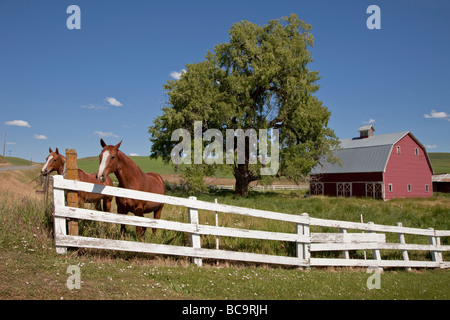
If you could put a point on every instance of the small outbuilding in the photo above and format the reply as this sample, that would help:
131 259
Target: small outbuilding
441 183
386 166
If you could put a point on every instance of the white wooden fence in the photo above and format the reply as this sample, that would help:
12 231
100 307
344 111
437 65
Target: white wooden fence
306 242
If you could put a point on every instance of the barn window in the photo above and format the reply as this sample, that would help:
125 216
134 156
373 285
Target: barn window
390 187
398 149
409 188
426 188
417 151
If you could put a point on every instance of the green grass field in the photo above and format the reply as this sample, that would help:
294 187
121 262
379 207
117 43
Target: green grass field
31 269
17 161
91 164
440 162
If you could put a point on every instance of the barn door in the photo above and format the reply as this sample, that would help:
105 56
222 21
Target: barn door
344 189
374 190
316 188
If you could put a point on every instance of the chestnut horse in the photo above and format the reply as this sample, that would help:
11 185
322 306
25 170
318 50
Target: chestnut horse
57 162
130 176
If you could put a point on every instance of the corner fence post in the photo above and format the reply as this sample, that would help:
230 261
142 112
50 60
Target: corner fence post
72 196
195 238
59 224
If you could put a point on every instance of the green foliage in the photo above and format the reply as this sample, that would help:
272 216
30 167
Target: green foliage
193 180
258 80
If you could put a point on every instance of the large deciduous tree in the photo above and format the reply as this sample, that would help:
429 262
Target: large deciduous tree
258 80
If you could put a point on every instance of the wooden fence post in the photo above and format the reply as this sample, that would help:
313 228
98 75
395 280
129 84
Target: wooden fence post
435 241
375 252
401 238
303 249
59 224
217 224
72 196
345 253
195 238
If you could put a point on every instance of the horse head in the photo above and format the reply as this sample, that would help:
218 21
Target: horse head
54 162
109 160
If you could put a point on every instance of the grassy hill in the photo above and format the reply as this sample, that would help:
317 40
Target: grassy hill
440 162
91 164
18 161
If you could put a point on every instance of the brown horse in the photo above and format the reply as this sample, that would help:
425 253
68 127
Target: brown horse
130 176
57 162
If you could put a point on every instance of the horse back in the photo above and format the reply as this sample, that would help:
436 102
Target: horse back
155 183
151 182
90 177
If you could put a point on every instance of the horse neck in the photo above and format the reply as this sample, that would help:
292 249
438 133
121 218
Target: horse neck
62 169
128 172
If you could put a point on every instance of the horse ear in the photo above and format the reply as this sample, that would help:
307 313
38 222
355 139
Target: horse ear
118 145
57 151
50 149
102 143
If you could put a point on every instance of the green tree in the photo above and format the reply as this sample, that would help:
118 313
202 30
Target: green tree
258 80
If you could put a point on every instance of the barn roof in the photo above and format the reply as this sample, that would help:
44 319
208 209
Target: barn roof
441 177
364 155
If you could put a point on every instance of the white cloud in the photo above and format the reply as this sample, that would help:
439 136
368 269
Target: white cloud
40 137
177 75
18 123
11 143
371 121
113 101
437 115
134 155
94 107
102 134
431 146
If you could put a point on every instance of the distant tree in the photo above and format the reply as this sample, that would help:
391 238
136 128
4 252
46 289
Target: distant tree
258 80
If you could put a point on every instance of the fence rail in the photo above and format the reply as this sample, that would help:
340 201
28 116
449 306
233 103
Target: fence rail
306 242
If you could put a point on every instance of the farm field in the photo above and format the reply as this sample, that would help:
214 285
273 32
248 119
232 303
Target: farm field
31 269
440 162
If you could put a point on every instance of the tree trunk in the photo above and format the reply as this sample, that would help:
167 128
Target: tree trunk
243 179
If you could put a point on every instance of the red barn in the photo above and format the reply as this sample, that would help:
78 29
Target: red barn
386 166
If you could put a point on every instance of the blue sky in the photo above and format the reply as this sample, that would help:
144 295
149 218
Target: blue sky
71 87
